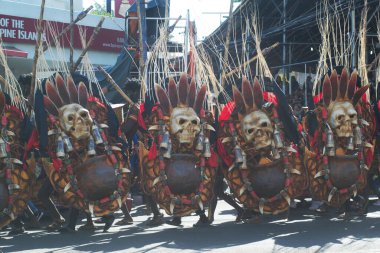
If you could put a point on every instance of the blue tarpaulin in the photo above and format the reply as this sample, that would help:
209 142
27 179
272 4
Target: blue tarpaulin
149 4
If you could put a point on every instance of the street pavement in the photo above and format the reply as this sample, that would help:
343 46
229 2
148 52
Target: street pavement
305 231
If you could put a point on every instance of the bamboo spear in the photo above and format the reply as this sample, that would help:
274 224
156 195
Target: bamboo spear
89 43
115 86
166 14
71 34
80 16
36 51
141 46
227 44
264 51
171 28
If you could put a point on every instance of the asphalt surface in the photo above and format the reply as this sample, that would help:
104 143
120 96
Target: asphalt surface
305 231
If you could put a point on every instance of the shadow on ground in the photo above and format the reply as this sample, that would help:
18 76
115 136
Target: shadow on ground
303 230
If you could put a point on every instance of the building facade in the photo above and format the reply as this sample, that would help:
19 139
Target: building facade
18 22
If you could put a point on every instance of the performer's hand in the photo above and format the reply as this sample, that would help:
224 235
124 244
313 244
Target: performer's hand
130 125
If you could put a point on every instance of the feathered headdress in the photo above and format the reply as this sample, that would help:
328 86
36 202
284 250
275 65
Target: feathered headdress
184 96
252 98
62 94
341 89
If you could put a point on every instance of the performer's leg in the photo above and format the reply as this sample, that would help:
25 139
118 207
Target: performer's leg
214 198
157 215
227 198
219 192
109 219
203 220
33 221
44 195
89 218
73 217
242 213
361 201
343 211
127 220
176 221
16 227
89 226
374 184
153 206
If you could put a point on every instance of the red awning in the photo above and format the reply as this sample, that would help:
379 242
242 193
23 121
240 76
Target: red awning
12 51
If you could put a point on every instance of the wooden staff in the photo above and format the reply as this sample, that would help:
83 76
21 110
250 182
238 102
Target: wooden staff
89 43
71 34
171 28
142 51
80 16
166 15
227 44
114 84
265 51
36 51
141 42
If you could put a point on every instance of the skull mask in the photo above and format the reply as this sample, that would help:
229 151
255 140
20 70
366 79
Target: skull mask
343 118
257 128
184 124
76 121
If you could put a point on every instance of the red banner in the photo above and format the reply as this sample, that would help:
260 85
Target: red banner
23 30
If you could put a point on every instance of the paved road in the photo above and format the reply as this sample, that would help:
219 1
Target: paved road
304 232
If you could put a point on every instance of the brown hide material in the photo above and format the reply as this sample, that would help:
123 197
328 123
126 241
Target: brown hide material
19 176
344 170
267 180
183 175
96 178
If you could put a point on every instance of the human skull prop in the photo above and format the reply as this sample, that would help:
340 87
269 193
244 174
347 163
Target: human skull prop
343 118
184 124
76 121
257 129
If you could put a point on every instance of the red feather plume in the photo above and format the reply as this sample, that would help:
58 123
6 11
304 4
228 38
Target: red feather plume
61 87
82 94
247 92
352 85
50 106
53 94
73 91
183 88
343 83
163 99
173 94
191 94
334 84
200 99
258 94
326 90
